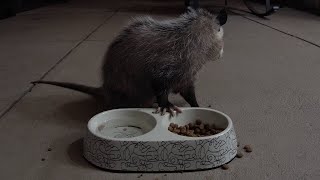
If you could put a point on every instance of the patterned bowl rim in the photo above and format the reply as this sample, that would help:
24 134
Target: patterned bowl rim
91 128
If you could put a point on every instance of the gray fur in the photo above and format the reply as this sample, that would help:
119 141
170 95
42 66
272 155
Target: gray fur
150 57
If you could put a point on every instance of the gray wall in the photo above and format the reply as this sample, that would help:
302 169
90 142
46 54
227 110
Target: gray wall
11 7
305 4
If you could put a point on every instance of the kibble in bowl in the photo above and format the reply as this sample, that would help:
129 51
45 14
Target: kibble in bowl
195 129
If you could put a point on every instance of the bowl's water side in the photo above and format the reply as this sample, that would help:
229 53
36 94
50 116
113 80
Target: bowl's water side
161 155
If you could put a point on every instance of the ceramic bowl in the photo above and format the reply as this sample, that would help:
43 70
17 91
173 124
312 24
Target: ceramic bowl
139 140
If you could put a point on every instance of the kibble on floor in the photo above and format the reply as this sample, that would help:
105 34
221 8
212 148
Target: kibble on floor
247 148
225 166
239 155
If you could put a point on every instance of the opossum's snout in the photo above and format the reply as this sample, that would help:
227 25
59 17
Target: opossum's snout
220 34
219 37
221 53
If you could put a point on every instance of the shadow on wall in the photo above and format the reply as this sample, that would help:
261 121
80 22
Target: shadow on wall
307 5
9 8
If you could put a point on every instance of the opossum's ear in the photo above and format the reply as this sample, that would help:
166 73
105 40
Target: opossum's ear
222 17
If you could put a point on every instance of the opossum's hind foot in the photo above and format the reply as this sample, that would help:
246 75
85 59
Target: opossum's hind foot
168 108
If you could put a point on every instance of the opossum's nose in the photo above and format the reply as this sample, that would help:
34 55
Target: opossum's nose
220 33
221 53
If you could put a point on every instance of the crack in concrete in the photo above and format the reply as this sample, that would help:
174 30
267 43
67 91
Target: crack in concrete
281 31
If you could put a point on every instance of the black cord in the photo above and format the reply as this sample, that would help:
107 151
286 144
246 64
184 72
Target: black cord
269 10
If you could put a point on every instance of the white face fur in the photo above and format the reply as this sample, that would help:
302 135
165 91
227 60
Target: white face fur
220 36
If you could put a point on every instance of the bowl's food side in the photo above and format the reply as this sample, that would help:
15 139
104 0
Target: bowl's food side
196 129
113 143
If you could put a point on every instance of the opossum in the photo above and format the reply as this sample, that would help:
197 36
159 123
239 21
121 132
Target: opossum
150 59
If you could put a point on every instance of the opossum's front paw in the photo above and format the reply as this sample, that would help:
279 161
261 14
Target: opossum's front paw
168 108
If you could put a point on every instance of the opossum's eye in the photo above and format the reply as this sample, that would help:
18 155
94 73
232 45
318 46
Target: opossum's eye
222 17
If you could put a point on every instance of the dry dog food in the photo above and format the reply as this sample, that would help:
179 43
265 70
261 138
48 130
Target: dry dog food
225 166
239 155
247 148
197 129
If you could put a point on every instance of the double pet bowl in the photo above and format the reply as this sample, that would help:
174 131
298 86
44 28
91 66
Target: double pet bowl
139 140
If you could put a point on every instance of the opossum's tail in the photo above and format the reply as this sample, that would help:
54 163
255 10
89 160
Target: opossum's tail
94 91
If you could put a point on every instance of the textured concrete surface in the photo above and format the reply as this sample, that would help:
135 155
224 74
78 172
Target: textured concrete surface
32 43
297 23
267 83
22 62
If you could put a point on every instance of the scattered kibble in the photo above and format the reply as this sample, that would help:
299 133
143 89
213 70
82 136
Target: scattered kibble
239 155
225 166
247 148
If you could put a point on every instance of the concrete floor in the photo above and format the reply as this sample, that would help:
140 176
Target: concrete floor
268 82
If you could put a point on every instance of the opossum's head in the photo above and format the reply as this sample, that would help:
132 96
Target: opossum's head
211 23
220 19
